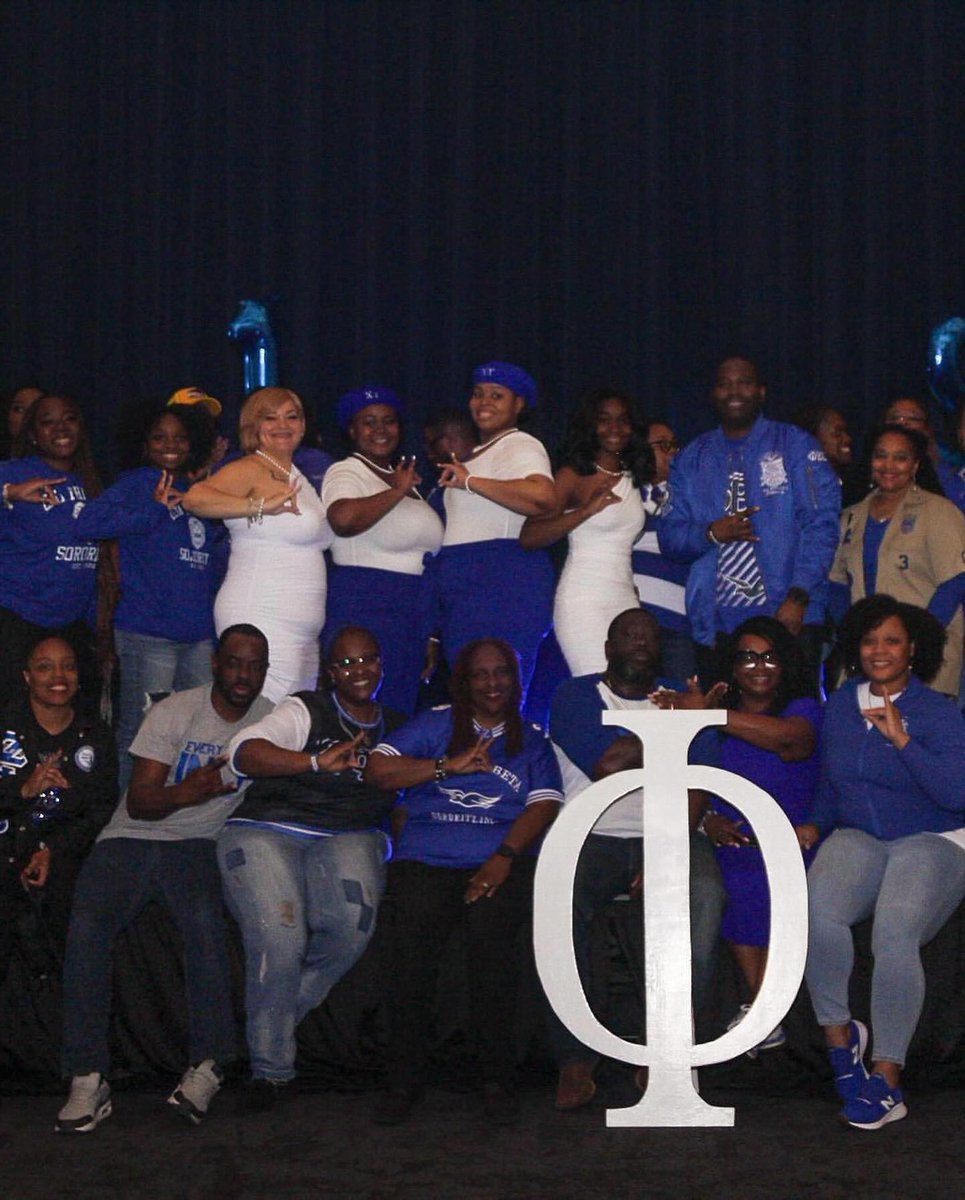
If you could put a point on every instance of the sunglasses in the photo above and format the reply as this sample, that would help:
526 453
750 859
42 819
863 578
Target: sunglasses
751 658
360 660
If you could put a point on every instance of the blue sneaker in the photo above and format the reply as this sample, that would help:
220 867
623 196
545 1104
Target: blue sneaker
847 1065
877 1104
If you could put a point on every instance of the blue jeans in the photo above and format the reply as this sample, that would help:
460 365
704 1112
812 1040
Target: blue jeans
306 909
606 868
911 886
151 666
118 879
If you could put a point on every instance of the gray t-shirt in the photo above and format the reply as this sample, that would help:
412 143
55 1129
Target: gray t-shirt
185 731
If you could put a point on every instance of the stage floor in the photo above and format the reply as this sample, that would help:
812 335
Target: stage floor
324 1145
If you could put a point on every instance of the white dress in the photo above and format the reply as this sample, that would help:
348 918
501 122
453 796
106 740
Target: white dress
276 581
597 582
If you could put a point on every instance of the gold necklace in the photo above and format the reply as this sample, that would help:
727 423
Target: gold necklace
287 472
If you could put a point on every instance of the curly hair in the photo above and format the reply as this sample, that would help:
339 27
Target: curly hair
25 443
793 684
923 629
463 732
197 423
580 444
926 476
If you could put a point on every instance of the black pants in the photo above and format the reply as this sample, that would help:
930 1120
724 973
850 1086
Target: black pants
426 904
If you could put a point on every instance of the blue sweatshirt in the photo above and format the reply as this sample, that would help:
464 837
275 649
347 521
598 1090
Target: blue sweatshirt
866 783
48 568
171 563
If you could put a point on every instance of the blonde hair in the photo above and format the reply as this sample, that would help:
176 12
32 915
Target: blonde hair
257 406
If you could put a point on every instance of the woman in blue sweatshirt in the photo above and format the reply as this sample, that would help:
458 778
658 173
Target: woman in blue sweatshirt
48 566
170 567
892 798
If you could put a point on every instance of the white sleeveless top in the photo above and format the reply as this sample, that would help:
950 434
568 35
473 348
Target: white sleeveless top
398 541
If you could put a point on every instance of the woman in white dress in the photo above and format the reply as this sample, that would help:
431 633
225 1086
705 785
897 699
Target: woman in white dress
276 572
599 509
486 584
383 531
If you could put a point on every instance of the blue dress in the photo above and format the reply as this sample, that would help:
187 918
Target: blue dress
747 919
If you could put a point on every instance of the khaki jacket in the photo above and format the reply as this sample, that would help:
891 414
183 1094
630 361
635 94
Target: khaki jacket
923 547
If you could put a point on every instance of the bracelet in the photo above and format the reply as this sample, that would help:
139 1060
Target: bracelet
505 851
436 641
711 537
313 758
468 488
441 770
702 823
7 502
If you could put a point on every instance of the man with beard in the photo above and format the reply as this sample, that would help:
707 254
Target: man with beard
160 844
754 506
611 860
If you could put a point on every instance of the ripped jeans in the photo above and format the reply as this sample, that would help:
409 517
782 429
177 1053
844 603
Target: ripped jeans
306 908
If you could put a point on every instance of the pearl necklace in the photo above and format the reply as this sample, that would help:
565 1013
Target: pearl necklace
614 474
287 472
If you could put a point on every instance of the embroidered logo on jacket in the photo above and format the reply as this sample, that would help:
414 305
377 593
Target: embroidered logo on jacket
85 757
774 479
12 756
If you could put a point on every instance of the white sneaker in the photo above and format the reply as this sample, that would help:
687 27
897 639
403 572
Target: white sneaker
88 1104
776 1038
197 1089
738 1017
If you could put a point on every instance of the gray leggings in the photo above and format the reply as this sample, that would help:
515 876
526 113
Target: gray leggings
912 886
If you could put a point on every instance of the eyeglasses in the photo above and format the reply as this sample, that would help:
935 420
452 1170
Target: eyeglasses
360 660
751 658
665 445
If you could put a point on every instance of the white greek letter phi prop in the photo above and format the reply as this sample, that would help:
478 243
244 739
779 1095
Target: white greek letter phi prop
670 1052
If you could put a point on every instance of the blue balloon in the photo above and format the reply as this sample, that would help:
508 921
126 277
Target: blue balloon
946 360
252 330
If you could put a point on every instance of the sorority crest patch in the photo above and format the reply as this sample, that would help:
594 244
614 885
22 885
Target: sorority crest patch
85 757
773 475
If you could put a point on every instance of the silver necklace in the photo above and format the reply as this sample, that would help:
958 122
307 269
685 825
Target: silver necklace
493 731
370 728
497 437
375 466
287 472
614 474
412 493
